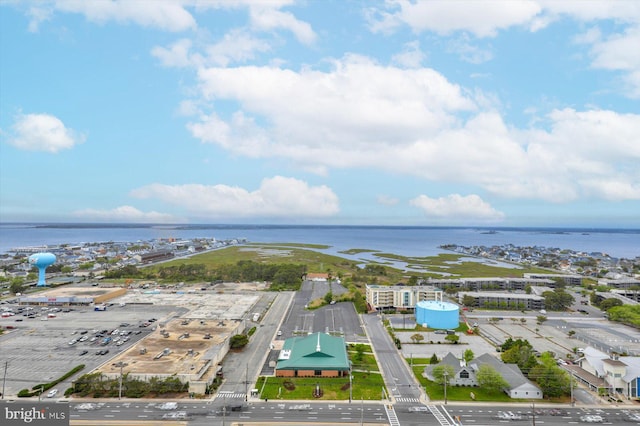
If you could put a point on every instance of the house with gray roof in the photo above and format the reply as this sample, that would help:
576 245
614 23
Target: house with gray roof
315 355
465 374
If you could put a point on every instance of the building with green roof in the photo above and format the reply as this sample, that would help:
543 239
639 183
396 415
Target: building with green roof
315 355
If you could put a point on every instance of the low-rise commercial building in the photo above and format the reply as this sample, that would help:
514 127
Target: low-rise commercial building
315 355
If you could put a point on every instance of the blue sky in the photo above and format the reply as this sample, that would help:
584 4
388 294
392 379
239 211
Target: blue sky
469 113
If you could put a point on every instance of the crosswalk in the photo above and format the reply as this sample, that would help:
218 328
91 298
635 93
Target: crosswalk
391 415
230 395
440 417
407 399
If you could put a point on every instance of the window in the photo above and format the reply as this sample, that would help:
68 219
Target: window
464 374
318 372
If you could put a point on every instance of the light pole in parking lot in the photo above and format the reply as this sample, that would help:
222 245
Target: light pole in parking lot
121 365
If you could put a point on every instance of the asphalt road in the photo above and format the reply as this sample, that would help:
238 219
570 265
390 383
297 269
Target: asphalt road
241 369
397 376
300 412
212 413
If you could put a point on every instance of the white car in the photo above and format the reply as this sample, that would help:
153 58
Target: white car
168 406
52 393
591 419
176 415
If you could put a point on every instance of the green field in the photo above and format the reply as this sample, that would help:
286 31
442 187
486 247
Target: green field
317 262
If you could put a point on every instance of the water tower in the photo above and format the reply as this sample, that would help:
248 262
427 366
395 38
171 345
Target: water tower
42 261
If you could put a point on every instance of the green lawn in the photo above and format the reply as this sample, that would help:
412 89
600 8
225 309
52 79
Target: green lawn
457 393
365 386
367 363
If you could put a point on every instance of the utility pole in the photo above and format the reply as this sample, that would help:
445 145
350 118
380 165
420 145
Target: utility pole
573 402
224 407
4 378
361 410
533 416
445 374
121 365
350 385
246 383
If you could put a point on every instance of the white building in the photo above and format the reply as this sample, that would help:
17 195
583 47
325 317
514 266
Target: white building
380 297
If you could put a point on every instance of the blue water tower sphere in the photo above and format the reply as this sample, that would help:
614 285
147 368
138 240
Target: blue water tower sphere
42 261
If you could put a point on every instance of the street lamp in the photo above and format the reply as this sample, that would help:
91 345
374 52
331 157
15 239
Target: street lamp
445 374
121 365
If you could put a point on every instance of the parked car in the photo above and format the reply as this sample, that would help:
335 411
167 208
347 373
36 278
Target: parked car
52 393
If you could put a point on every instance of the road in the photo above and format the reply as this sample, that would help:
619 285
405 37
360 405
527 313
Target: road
397 376
301 412
243 368
212 413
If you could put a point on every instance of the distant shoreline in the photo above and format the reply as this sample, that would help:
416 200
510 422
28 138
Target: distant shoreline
196 226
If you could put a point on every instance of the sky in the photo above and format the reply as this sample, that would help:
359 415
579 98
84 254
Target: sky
361 112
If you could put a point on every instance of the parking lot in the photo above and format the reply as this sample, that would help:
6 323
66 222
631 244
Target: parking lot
552 335
40 349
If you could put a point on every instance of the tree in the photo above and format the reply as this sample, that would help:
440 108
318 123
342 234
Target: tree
434 359
328 297
553 380
519 352
490 379
468 300
610 303
238 341
442 373
468 355
540 319
571 333
453 338
17 285
557 300
417 338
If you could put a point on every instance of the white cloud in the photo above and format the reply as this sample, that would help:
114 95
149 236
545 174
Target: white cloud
455 208
469 52
266 17
411 56
43 132
38 15
169 15
126 214
386 200
619 53
487 18
409 121
237 46
276 197
176 55
482 18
